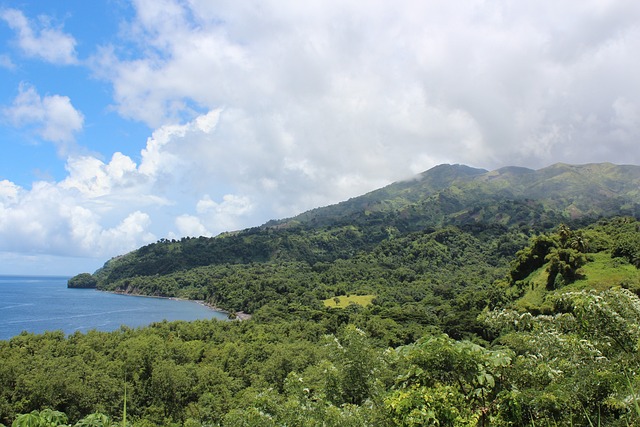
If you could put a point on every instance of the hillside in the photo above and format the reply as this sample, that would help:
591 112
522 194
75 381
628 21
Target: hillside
457 193
480 202
430 249
550 337
459 298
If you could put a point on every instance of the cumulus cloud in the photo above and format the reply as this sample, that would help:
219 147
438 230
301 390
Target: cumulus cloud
102 209
370 91
93 178
51 220
52 117
41 39
226 214
58 219
263 109
189 225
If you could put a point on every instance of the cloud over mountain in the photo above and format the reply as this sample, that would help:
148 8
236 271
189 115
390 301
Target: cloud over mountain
263 109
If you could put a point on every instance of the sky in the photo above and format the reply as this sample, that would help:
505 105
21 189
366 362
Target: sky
124 122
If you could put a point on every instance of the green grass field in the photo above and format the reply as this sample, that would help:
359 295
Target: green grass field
343 301
600 273
605 272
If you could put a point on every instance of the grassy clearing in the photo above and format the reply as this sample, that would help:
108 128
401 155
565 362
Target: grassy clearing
343 301
600 273
536 292
605 272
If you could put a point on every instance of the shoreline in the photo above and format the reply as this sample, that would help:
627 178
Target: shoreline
239 315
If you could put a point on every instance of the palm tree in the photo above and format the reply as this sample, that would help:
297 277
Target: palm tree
564 233
579 243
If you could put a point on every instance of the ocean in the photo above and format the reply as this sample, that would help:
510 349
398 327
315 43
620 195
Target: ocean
37 304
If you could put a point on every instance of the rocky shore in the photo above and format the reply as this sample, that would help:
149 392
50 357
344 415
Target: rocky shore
238 315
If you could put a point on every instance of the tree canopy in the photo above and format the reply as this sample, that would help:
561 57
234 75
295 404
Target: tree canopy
463 329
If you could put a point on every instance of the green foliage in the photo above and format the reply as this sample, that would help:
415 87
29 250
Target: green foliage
474 200
432 278
573 364
50 418
82 280
532 257
628 247
447 382
562 266
603 272
611 316
44 418
352 377
567 268
560 369
96 420
562 252
440 405
447 259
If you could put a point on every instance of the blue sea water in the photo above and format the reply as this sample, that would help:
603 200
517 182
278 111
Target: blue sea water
38 304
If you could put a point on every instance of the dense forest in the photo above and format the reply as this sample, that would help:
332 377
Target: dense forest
459 298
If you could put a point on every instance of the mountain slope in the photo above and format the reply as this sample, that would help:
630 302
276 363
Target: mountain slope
575 191
478 201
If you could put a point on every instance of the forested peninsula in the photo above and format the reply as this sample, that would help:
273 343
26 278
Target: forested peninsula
460 297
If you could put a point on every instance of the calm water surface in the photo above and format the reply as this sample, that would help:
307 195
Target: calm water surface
38 304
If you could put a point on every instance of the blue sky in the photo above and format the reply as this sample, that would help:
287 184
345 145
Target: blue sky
95 23
123 122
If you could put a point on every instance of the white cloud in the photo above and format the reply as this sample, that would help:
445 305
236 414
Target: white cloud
96 212
366 90
102 209
8 191
226 215
626 118
128 234
311 104
93 178
7 63
52 117
41 40
189 225
50 219
263 109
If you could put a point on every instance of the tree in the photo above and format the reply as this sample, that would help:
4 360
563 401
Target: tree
578 364
96 420
532 257
172 387
44 418
563 265
627 246
446 382
356 362
82 280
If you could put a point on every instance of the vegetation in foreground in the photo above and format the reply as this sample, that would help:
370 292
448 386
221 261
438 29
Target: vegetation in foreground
553 340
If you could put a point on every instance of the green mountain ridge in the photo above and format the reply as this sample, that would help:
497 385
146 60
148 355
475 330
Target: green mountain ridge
469 198
567 188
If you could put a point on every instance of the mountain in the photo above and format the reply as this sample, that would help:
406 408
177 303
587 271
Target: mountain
397 197
450 191
475 200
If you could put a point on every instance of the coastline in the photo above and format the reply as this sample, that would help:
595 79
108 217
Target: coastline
238 315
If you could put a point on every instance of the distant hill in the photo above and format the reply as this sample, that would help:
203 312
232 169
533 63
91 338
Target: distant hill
454 193
476 201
